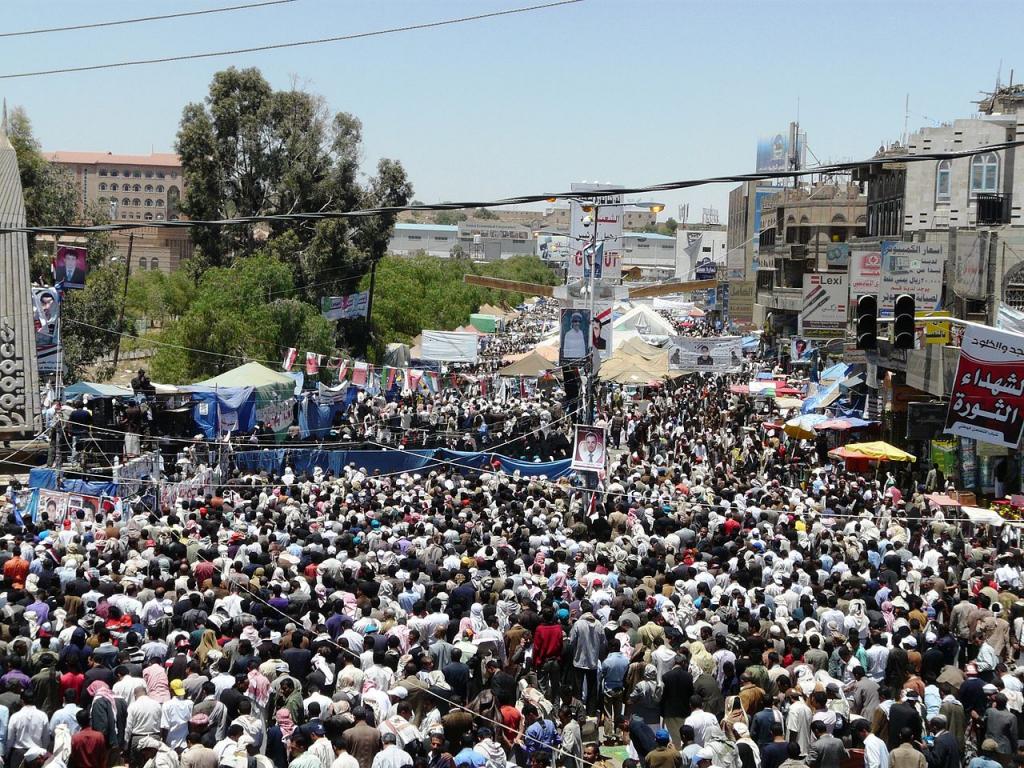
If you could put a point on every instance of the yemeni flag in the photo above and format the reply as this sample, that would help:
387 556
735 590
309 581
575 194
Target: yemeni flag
312 363
289 359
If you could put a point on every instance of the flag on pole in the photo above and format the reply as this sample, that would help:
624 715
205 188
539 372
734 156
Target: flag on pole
289 358
312 363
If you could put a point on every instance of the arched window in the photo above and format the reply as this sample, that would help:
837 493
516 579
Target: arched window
126 202
159 215
137 188
113 187
136 202
149 203
159 203
985 173
102 201
149 187
148 216
159 187
942 179
154 263
142 263
1013 287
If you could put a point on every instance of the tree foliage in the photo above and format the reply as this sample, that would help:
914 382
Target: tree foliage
249 150
414 293
250 310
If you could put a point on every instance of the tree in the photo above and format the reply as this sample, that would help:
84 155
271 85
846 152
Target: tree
484 213
50 198
449 217
249 310
249 150
670 226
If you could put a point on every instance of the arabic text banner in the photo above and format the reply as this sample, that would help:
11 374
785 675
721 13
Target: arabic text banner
715 354
345 307
987 402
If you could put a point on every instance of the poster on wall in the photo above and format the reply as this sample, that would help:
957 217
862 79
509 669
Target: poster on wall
574 336
588 451
914 268
865 274
54 504
987 401
801 349
713 354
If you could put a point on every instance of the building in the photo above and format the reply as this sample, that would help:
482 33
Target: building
635 220
697 242
649 255
408 239
802 228
134 188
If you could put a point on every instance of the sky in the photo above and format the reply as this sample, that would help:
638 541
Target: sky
628 91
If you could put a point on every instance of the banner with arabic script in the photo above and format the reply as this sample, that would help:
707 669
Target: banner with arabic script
345 307
987 402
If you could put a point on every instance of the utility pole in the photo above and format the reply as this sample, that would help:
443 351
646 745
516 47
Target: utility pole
124 298
369 307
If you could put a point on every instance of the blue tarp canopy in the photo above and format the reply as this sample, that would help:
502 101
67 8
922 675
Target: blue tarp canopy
45 478
304 460
218 410
836 372
96 390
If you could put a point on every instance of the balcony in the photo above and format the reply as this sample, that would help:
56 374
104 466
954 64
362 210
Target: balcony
993 209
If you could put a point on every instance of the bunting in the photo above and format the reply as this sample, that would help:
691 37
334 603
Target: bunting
312 363
359 374
289 358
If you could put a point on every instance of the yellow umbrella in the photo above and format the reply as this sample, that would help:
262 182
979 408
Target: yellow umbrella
877 451
802 427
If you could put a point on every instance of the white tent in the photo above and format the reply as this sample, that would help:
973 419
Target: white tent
644 321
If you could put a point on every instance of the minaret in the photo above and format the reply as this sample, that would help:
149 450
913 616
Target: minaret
19 379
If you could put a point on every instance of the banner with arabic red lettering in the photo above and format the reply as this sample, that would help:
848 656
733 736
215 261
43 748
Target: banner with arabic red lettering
987 402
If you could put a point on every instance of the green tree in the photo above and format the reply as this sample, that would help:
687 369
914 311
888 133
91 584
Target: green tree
449 217
484 213
669 227
249 150
50 198
249 310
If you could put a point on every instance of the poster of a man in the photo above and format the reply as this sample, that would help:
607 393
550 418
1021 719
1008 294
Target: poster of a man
588 448
704 355
575 344
70 267
54 505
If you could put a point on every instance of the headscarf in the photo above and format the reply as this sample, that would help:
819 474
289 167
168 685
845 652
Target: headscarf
156 683
285 722
259 687
888 615
100 690
476 616
207 643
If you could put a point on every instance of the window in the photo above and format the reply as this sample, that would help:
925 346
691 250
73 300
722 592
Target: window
103 171
942 175
159 174
126 201
149 174
159 187
149 203
159 203
148 216
149 187
103 186
174 174
442 238
113 187
136 188
985 173
142 263
102 201
705 249
127 173
159 215
137 174
154 264
415 237
136 202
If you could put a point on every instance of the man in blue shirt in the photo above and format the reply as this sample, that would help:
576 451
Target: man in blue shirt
613 679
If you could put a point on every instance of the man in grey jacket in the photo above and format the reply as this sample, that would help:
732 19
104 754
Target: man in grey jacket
826 750
587 642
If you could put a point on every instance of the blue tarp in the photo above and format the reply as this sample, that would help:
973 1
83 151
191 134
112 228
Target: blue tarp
836 372
96 390
217 410
315 418
304 459
45 478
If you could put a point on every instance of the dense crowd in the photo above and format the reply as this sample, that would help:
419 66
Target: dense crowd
725 599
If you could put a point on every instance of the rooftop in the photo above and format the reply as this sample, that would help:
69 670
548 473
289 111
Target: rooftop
648 235
404 225
164 159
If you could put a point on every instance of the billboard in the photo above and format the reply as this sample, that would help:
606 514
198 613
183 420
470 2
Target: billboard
46 314
987 401
837 255
772 153
70 267
865 274
824 307
741 302
606 216
801 350
588 452
345 307
914 268
704 269
713 354
970 260
554 248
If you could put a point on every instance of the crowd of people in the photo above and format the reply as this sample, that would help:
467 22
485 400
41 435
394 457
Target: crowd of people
723 599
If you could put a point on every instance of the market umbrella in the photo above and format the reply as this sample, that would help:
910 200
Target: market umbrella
788 402
803 427
843 424
696 312
876 451
739 389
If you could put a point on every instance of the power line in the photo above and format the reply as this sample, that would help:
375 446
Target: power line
296 44
669 186
142 19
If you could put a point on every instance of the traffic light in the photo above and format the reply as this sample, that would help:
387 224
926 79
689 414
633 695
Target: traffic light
867 322
903 322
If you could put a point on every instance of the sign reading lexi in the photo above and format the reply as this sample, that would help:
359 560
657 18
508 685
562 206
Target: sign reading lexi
987 402
824 306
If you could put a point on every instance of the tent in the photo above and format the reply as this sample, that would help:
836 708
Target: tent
93 389
532 365
490 309
240 398
644 321
875 451
485 323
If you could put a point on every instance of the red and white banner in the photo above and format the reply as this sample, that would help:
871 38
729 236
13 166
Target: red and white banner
312 363
289 358
987 402
360 372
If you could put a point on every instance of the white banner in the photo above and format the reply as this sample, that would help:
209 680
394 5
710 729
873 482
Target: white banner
914 268
865 274
345 307
607 217
449 346
824 307
712 354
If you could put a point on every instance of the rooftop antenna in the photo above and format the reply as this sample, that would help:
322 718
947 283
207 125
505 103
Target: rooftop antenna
906 120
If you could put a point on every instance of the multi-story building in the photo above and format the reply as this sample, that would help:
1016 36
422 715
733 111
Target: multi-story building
485 240
801 227
134 188
648 255
408 239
